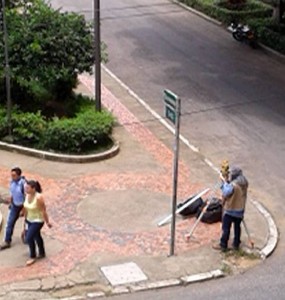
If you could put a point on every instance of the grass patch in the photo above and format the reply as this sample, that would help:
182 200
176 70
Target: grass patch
226 269
242 254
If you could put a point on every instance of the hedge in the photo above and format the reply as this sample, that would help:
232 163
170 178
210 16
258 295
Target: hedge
87 131
252 9
269 33
79 134
27 128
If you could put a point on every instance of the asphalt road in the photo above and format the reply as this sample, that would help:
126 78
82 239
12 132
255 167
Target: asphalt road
233 106
233 98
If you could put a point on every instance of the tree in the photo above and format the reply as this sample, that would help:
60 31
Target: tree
280 10
47 49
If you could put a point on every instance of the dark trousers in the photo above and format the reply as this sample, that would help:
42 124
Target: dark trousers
226 229
13 216
33 237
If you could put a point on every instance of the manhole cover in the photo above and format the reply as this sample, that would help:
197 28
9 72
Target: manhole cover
123 273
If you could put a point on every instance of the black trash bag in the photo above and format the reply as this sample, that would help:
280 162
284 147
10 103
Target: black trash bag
214 212
192 209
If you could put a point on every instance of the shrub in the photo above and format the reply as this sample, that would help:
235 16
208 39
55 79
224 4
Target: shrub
218 10
270 33
272 39
87 131
81 133
27 128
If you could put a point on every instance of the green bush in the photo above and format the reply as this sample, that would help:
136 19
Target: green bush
82 133
272 39
27 128
269 33
87 131
217 10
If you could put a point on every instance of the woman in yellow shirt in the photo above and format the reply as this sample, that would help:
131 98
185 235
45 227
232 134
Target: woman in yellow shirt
35 216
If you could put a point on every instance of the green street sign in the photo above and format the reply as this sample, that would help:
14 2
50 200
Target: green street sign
170 100
170 114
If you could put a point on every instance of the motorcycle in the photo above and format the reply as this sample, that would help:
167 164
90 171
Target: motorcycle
243 33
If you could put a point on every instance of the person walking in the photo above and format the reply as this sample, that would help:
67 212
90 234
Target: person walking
35 217
234 195
15 202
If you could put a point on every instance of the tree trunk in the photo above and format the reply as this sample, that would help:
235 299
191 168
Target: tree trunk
279 10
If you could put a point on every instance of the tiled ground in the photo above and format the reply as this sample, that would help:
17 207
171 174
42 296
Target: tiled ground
80 240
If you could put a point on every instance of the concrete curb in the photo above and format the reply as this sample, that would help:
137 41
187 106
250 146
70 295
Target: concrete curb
62 157
272 53
147 286
273 235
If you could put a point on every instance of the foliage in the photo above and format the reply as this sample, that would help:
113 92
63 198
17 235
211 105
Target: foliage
87 131
216 9
256 14
27 128
80 133
270 33
47 50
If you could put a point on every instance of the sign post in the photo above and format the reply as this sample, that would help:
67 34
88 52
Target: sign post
172 112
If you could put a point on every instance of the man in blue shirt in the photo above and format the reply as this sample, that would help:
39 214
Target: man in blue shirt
234 194
16 201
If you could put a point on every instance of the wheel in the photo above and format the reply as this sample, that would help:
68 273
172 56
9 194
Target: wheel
237 36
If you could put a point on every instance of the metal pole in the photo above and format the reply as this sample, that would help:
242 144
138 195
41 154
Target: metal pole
97 54
175 176
7 71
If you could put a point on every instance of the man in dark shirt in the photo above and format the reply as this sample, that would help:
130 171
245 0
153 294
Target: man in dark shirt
234 194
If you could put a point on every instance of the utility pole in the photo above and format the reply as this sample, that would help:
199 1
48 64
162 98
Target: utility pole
7 69
97 54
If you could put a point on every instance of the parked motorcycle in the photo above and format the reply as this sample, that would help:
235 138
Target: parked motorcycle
243 33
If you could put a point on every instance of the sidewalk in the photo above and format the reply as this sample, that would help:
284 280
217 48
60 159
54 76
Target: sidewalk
106 213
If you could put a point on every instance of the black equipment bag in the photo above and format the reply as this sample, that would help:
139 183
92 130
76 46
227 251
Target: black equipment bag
214 212
192 208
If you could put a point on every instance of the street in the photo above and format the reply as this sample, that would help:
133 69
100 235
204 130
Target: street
233 106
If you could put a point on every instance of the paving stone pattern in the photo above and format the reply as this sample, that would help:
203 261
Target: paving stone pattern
80 239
